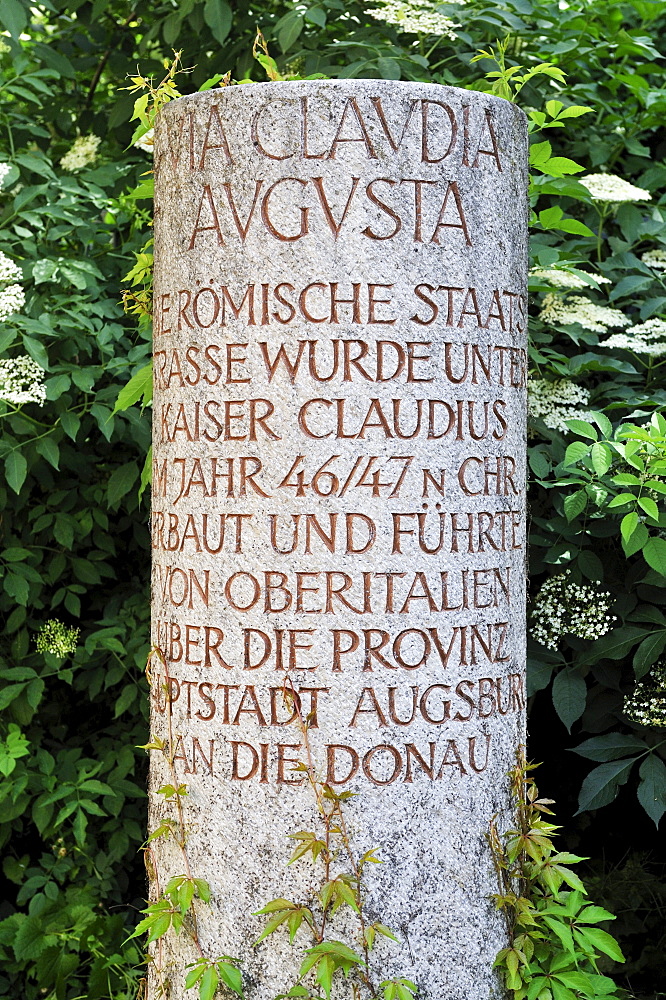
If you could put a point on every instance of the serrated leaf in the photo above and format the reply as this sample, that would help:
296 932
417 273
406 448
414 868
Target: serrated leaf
139 387
16 470
649 506
602 784
652 787
649 652
610 746
575 504
654 553
601 458
569 695
121 482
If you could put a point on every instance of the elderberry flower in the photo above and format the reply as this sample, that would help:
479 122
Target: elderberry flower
22 381
145 142
577 309
4 170
563 607
556 402
610 187
4 48
56 638
646 704
12 299
9 271
559 278
418 18
82 153
655 259
644 338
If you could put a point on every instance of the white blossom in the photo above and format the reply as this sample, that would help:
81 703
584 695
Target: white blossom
610 187
415 18
563 607
559 278
56 638
82 153
577 309
556 402
22 381
4 170
145 142
9 271
646 704
644 338
4 48
655 259
12 299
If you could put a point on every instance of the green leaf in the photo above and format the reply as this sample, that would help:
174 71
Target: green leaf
649 652
649 506
49 450
628 525
209 983
654 553
583 428
575 504
610 746
576 451
601 458
590 565
218 17
16 470
231 977
602 784
569 695
14 16
140 386
603 942
615 644
652 787
121 482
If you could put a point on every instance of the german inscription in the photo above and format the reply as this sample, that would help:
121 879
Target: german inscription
338 498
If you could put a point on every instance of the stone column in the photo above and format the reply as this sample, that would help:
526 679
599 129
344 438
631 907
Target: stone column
339 500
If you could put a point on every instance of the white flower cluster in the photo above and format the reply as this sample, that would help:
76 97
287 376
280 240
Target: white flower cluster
82 153
9 271
563 607
646 704
145 142
578 309
56 638
558 278
610 187
4 48
415 18
644 338
556 402
22 381
655 259
12 295
4 170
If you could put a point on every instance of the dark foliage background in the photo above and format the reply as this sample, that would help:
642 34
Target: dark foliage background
74 542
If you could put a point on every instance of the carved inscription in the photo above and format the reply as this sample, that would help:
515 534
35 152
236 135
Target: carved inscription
338 496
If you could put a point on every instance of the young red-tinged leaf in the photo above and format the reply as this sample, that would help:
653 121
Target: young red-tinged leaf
274 906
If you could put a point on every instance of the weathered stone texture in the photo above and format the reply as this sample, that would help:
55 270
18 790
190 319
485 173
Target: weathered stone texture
340 332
